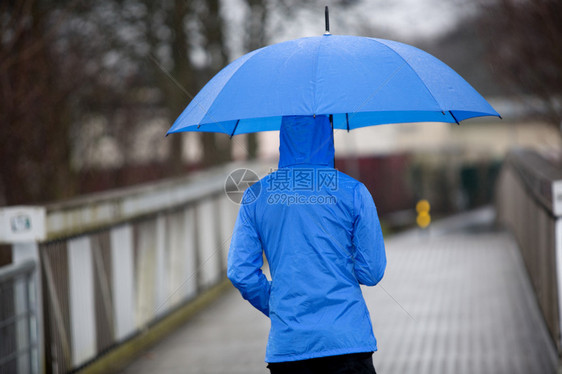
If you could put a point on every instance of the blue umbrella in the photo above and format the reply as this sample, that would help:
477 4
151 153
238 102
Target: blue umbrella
360 81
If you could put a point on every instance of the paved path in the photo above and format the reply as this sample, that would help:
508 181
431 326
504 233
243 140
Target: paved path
454 300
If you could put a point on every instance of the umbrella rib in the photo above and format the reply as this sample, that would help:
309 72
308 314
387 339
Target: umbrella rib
412 69
315 81
380 87
455 118
234 129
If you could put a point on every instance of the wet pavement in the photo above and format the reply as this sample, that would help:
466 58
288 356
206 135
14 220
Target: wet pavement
454 299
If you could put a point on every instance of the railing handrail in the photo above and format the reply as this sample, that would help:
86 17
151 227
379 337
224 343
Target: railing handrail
105 209
542 179
529 202
14 270
145 250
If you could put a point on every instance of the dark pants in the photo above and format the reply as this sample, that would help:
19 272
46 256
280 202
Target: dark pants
355 363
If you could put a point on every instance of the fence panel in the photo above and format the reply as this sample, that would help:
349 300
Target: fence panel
18 319
105 286
113 264
526 200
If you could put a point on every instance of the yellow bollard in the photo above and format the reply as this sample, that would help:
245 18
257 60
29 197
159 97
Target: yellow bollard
423 219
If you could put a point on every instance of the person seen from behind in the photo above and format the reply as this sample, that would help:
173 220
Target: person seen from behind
322 239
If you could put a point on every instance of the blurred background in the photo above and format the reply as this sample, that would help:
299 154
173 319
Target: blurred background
88 90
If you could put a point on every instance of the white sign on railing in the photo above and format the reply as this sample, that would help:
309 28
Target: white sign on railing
20 224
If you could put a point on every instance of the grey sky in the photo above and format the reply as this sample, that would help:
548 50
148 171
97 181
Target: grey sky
403 20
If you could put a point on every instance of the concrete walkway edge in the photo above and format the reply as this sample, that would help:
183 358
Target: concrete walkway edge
119 357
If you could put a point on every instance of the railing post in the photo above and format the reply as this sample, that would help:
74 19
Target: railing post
558 246
24 227
29 324
20 253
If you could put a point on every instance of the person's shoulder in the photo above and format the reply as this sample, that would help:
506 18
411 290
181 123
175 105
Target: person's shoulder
254 191
266 181
357 188
348 180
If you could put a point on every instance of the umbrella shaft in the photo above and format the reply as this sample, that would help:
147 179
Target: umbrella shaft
327 18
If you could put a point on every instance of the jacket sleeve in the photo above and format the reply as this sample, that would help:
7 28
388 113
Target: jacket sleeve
245 261
369 254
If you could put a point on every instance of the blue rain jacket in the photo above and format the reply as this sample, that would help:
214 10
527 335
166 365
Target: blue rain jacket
321 236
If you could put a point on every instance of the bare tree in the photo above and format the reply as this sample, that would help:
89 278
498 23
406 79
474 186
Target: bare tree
122 63
523 39
35 114
193 25
214 150
256 37
125 62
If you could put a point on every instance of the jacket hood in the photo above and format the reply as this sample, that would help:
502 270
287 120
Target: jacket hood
306 140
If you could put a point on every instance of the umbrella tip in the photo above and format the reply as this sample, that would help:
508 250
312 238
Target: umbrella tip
327 19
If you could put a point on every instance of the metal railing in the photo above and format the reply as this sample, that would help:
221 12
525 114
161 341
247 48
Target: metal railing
105 286
529 202
115 263
18 322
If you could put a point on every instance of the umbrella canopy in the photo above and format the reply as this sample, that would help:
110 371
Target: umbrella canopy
360 81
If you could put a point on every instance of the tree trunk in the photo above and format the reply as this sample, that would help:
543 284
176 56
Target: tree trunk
255 38
214 152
